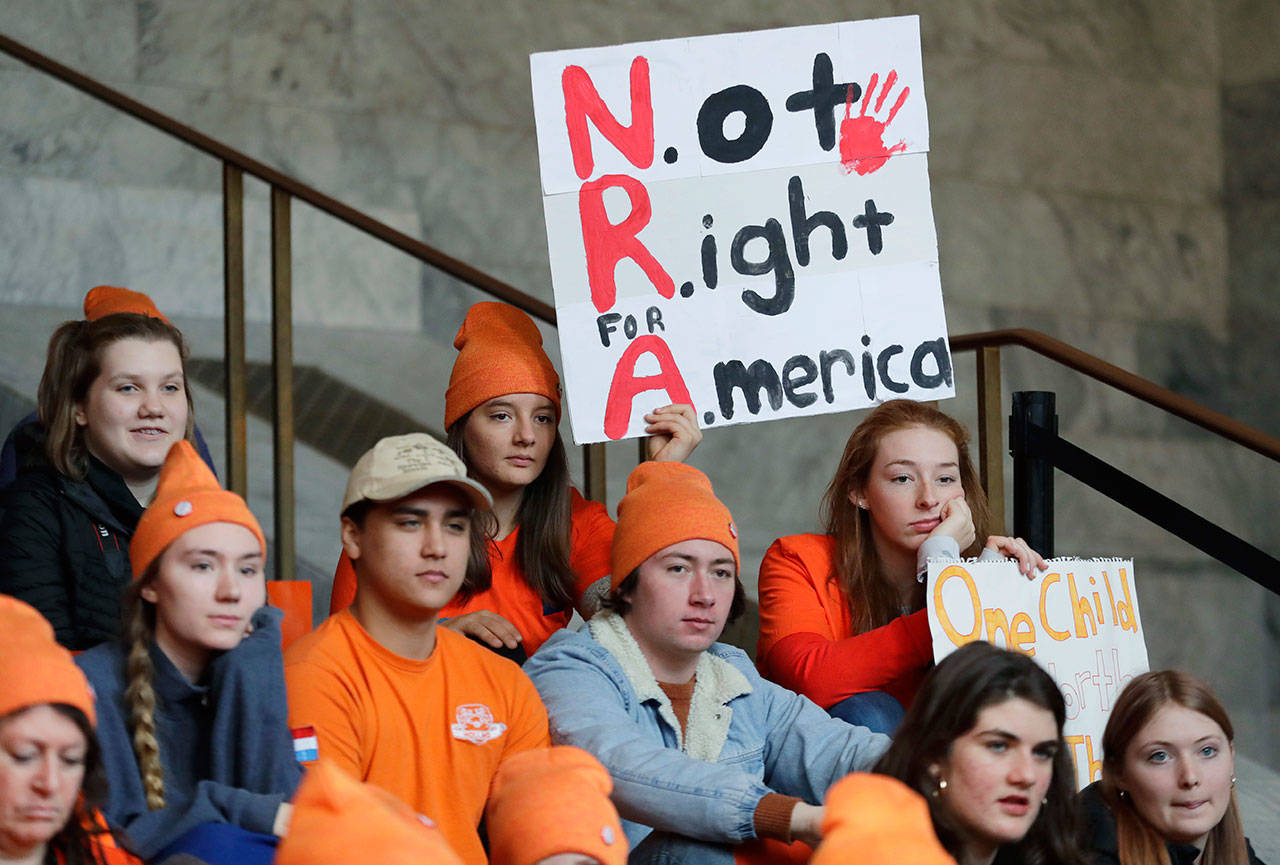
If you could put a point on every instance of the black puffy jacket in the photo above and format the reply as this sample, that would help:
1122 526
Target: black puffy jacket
64 547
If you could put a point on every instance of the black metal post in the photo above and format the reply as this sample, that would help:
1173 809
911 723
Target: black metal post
1032 425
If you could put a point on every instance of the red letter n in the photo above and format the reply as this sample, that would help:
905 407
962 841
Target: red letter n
582 101
625 384
606 244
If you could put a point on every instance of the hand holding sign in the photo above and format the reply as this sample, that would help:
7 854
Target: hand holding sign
1029 561
673 433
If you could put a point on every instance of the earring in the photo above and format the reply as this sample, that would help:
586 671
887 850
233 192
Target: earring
862 503
1123 794
1044 801
1233 782
942 785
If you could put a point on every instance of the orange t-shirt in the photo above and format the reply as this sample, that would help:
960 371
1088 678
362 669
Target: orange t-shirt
430 732
590 540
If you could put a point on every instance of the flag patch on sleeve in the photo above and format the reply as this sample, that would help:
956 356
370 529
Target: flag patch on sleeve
306 748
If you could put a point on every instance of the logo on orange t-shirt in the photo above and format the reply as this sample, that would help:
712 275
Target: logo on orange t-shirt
475 724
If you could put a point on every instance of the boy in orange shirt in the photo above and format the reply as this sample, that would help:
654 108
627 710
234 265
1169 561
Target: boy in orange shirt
420 711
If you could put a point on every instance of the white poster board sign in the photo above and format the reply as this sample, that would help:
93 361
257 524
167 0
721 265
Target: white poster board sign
1079 620
742 222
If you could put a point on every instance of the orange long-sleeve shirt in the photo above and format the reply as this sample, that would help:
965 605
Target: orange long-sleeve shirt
807 642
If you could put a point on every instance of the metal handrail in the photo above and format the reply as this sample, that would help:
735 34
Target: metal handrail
357 219
1121 379
235 163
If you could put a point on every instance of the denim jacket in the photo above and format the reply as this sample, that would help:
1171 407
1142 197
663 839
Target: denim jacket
745 736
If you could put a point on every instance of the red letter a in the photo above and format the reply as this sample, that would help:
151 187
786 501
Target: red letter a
582 101
625 385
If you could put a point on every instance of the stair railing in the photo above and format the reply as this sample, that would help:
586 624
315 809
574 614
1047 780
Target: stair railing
1037 450
284 189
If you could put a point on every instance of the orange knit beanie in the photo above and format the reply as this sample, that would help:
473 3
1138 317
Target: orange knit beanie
33 667
877 820
553 800
104 300
667 503
187 496
337 820
499 352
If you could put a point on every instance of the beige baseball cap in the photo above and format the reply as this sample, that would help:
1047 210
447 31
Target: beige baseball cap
398 465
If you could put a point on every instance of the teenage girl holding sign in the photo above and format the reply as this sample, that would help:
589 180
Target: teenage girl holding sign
842 616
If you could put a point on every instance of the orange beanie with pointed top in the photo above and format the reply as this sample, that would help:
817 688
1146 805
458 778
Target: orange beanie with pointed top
337 820
33 667
499 352
104 300
553 800
877 820
187 496
667 503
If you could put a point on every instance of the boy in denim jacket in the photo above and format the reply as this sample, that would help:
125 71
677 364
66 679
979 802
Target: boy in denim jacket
708 759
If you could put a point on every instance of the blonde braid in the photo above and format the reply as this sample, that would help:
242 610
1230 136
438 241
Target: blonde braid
140 695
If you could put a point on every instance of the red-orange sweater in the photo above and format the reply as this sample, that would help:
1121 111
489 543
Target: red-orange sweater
807 642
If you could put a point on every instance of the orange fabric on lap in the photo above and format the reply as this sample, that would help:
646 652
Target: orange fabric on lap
335 815
877 820
553 801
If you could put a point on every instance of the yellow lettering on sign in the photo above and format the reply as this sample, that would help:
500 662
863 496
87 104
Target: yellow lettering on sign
1022 635
1082 611
1049 580
944 620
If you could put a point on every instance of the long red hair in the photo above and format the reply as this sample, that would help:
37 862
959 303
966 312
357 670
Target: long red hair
873 602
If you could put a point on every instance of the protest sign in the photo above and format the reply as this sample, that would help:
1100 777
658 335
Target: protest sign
741 222
1079 620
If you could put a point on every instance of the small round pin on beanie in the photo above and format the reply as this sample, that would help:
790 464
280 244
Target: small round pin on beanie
877 820
187 495
34 669
667 503
553 800
499 352
104 300
337 820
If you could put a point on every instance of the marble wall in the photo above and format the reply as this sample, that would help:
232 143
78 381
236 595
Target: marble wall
1101 171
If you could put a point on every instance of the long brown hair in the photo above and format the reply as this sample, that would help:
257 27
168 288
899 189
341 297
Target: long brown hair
873 602
1138 703
545 521
964 683
73 363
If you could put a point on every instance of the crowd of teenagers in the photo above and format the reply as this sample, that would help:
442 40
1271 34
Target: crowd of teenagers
444 712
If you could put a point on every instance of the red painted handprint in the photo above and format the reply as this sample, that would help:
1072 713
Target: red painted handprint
862 147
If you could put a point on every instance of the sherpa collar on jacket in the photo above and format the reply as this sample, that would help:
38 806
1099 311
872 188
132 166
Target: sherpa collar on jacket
717 682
